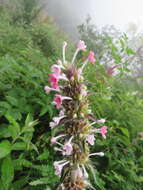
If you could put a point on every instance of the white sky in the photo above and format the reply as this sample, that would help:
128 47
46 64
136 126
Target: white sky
103 12
117 12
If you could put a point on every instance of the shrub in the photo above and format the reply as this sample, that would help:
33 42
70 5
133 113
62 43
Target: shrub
24 66
120 103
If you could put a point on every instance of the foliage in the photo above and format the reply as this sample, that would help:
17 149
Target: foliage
73 127
26 53
14 138
23 11
110 46
119 100
27 50
115 99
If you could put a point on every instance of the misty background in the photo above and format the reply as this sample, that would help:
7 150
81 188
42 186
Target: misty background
125 15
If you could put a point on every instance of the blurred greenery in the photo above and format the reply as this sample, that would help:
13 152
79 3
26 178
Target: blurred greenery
29 43
27 49
119 99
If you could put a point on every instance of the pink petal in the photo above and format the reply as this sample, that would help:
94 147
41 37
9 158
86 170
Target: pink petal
81 45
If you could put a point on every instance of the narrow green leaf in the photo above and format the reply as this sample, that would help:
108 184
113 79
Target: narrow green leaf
27 163
28 119
5 148
125 131
29 127
4 132
12 121
19 146
14 130
20 183
13 101
7 171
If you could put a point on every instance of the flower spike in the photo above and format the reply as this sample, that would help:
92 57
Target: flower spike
74 131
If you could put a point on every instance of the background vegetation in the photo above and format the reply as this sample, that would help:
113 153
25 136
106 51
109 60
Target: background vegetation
29 43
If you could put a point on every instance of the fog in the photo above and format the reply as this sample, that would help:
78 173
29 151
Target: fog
69 13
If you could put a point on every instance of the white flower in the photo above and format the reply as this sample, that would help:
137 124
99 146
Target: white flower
97 154
68 147
90 139
59 166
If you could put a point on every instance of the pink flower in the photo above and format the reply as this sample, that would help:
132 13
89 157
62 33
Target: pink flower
81 45
63 77
62 113
54 139
56 69
55 85
103 131
59 63
52 124
57 119
58 100
68 147
91 57
53 79
90 139
78 173
48 89
59 166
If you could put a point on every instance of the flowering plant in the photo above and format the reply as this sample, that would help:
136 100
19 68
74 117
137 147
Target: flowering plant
74 124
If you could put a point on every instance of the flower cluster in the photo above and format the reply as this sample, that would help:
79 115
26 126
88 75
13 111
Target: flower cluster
74 127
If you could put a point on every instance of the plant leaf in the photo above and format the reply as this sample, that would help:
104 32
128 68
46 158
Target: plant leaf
7 171
5 148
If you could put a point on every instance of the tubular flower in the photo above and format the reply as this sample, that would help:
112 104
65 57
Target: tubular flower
91 57
48 89
90 139
78 172
57 119
58 100
54 139
56 69
64 48
53 79
103 131
101 121
68 147
62 113
52 124
81 45
59 166
74 120
59 63
97 154
63 77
